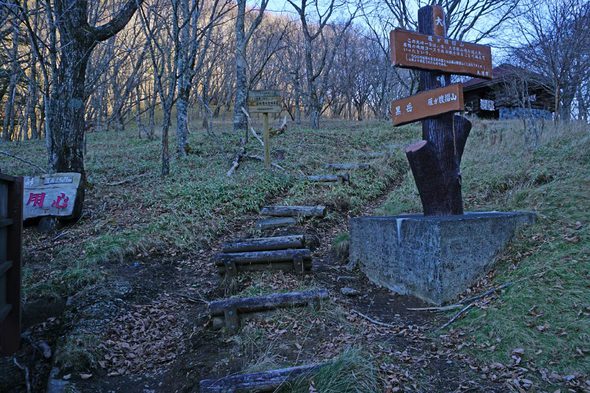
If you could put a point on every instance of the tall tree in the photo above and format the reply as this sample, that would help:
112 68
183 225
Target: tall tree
77 38
242 38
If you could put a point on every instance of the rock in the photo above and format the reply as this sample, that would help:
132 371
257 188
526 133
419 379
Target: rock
346 291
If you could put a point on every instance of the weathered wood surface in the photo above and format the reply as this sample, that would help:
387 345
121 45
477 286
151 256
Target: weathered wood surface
374 154
432 51
348 166
264 101
11 210
427 104
265 244
342 178
50 195
435 161
276 222
294 211
263 256
268 302
233 268
266 381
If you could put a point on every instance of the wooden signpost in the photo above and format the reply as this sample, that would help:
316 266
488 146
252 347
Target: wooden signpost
265 102
432 52
50 195
427 104
435 161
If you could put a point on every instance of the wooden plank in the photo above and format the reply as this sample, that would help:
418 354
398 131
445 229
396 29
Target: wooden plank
437 53
427 104
265 244
268 302
276 222
50 195
4 222
341 177
10 327
263 256
264 101
4 266
266 381
294 211
348 166
286 266
4 311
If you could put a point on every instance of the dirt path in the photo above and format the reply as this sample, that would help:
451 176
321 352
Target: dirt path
152 315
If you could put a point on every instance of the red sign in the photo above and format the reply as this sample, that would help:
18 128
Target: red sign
427 104
432 52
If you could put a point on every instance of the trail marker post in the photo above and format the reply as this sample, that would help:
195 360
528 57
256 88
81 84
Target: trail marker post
265 102
435 161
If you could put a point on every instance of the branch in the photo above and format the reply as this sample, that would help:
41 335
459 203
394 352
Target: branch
109 29
252 128
22 160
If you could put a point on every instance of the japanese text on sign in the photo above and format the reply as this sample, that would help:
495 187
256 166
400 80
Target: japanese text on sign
427 104
415 50
50 195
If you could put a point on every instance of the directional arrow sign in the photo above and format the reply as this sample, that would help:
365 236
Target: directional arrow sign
431 52
427 104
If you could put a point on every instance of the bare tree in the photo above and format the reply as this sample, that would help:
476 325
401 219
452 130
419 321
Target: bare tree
557 45
242 37
318 42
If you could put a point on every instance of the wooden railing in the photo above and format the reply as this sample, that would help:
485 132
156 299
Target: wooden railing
11 228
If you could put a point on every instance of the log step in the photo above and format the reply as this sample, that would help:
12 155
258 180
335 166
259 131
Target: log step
294 211
276 222
265 244
229 312
265 381
348 166
297 260
340 178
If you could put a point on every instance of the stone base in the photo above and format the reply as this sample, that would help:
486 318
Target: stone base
434 258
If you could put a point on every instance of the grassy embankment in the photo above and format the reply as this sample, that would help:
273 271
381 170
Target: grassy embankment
547 309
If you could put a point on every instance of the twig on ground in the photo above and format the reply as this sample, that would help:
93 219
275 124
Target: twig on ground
262 159
462 303
236 162
252 130
456 316
22 160
376 322
127 180
25 370
436 309
192 299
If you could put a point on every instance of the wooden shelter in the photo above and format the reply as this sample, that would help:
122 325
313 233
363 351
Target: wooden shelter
513 93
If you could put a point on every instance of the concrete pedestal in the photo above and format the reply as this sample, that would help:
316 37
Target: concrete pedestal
433 258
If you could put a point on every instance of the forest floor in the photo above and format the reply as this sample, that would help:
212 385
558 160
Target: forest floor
120 296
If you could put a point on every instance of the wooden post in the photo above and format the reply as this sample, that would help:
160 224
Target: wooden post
435 162
266 141
10 261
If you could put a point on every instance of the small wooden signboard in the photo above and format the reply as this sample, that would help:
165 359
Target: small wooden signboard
432 52
427 104
264 101
50 195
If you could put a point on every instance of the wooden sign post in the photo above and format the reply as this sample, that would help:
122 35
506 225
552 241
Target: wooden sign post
435 161
265 102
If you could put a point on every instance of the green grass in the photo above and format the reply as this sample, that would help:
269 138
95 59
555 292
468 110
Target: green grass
351 372
547 309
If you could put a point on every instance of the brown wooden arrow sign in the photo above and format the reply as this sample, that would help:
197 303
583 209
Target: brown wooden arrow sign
432 52
427 104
